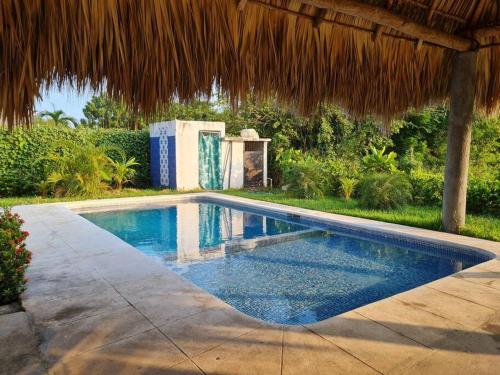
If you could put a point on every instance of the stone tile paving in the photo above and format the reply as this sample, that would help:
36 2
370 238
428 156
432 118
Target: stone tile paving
101 307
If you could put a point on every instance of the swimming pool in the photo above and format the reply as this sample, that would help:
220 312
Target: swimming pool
277 267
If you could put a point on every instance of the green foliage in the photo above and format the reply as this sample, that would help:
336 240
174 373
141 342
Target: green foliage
83 170
14 257
103 112
485 149
198 110
377 161
58 118
384 191
348 185
122 171
24 153
427 188
483 196
420 139
302 175
330 135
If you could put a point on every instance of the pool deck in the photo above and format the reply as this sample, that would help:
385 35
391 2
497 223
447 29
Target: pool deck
100 306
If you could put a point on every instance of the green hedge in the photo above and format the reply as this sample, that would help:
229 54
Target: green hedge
482 196
22 152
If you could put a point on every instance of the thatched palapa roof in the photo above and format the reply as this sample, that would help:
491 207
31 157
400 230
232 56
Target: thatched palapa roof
375 57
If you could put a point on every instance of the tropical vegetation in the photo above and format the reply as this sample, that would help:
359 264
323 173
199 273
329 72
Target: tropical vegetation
59 118
14 256
368 164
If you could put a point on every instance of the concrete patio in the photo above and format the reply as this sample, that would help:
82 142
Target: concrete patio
102 307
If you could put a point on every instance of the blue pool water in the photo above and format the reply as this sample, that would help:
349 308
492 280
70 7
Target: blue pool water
280 268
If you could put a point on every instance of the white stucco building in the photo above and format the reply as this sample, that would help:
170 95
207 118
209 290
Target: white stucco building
189 155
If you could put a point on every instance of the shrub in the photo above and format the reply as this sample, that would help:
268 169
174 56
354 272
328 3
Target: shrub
304 178
347 186
83 170
335 168
384 191
427 188
14 257
483 197
122 171
377 161
23 153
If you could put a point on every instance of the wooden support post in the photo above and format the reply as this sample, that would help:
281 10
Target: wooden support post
463 92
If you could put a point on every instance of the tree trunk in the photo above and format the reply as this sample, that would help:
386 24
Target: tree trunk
463 90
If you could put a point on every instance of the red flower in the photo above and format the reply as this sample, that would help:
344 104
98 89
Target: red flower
19 251
25 233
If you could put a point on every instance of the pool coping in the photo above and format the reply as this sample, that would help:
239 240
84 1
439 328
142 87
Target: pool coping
66 213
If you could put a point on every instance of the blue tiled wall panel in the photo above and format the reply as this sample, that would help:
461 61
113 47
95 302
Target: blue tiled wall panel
172 167
154 144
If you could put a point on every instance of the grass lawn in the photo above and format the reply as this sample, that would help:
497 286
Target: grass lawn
480 226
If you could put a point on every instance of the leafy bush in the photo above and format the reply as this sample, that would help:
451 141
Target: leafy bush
14 257
24 152
303 175
135 144
335 168
84 170
483 197
384 191
122 171
348 185
427 188
377 161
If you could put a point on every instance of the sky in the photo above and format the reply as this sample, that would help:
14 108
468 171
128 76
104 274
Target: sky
66 99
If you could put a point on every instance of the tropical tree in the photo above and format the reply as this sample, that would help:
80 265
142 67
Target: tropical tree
104 112
347 185
122 171
59 118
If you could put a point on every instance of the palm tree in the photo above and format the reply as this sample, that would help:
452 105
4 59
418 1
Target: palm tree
122 170
59 118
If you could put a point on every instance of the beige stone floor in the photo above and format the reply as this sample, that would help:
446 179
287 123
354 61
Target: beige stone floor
102 307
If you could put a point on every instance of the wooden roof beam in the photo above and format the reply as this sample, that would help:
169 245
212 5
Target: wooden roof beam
397 22
486 32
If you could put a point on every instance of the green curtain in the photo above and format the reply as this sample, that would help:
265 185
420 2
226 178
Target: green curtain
210 161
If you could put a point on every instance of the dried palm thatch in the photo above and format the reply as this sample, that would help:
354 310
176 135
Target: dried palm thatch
151 52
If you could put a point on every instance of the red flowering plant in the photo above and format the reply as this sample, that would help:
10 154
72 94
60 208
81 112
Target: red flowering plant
14 257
